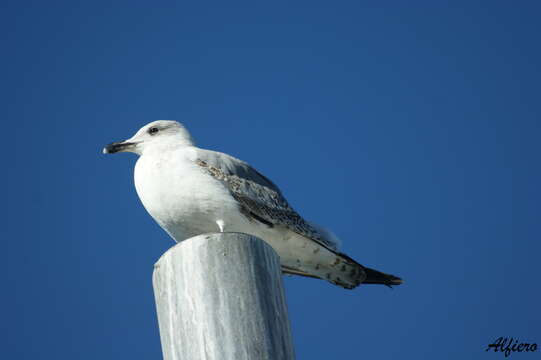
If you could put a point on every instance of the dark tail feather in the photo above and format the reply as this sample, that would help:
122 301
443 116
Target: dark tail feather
357 274
377 277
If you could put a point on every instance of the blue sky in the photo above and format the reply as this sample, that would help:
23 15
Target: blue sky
412 131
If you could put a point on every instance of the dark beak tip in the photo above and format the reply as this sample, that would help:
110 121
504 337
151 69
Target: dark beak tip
117 147
110 148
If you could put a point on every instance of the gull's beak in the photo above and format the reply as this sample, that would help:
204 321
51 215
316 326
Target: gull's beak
121 146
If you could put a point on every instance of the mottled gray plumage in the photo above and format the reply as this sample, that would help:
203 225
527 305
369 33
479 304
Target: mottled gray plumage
259 197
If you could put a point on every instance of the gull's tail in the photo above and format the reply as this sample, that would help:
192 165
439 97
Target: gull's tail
377 277
322 260
345 272
372 276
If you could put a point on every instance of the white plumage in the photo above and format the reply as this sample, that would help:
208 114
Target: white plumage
190 191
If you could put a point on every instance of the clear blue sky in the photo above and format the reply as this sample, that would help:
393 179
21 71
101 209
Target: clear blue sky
412 131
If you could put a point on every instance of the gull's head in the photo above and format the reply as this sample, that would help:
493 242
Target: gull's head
159 135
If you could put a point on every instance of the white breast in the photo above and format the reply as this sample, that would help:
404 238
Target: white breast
179 195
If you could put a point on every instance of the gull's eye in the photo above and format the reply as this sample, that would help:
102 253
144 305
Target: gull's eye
153 130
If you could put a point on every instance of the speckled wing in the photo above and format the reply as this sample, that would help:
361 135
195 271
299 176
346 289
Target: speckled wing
258 197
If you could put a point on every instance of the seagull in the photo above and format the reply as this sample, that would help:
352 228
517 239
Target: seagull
191 191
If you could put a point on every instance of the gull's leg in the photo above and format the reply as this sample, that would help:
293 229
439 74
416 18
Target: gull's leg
221 225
